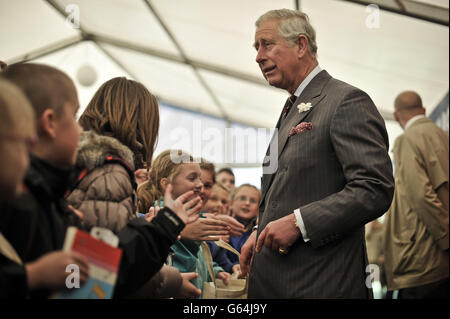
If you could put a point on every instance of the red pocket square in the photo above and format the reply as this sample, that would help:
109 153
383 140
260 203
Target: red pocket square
304 126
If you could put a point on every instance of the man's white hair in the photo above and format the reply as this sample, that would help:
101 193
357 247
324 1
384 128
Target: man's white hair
292 24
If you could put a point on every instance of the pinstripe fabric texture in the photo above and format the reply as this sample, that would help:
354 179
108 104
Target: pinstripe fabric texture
340 176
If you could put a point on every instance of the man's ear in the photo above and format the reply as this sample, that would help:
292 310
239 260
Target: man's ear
396 117
302 42
47 123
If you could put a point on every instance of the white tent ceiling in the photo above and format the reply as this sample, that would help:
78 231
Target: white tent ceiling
197 55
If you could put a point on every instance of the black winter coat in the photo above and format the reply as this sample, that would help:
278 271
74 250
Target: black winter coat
37 222
13 279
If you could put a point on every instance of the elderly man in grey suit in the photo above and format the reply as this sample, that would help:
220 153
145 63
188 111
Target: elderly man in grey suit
334 174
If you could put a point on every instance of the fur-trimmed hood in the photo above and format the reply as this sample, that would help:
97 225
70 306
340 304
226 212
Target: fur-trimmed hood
93 150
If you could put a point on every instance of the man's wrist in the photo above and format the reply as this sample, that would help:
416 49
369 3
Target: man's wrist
300 225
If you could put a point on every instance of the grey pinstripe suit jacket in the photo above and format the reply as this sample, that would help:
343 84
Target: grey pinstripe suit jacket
340 176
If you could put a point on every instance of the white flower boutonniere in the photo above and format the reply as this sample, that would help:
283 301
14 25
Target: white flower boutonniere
303 107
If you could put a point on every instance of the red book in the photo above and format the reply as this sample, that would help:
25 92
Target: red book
104 262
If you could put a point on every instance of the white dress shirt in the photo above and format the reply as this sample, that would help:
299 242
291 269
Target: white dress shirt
306 81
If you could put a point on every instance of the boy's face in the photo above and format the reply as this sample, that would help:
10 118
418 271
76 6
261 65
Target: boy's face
217 202
188 179
67 135
15 159
226 179
208 182
246 202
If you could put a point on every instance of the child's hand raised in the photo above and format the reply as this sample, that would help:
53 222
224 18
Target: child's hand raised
185 206
224 276
152 212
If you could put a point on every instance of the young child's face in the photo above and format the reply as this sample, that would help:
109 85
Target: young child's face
15 159
218 201
246 202
226 179
208 182
67 135
188 179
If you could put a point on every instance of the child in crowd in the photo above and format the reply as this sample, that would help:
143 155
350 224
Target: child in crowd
46 216
208 179
245 205
225 176
216 205
208 175
17 135
121 125
218 200
208 227
179 169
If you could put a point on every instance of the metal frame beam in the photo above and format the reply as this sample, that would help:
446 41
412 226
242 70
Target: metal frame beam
401 11
187 61
43 51
174 58
196 65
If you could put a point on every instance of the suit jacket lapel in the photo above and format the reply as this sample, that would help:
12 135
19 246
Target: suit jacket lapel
313 94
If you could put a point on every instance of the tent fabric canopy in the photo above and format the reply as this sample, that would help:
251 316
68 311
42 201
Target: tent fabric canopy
197 56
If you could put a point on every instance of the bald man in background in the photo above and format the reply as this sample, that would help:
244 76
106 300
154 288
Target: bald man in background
416 226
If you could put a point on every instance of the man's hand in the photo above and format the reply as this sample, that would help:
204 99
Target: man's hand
185 206
279 234
188 290
247 251
205 229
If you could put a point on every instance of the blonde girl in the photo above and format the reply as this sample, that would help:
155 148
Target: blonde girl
177 168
